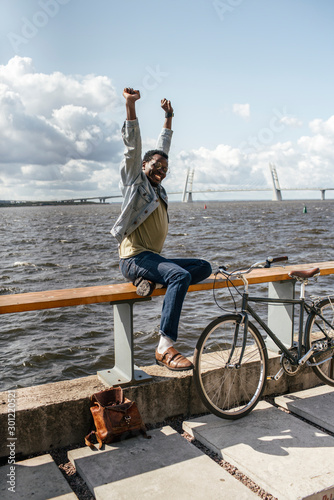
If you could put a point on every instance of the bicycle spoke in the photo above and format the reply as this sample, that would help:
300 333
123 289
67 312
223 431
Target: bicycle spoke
230 386
320 334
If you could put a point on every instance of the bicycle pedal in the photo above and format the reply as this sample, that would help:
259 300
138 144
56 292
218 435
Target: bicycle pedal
277 376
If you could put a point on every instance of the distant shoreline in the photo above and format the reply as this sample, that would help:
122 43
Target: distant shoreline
48 203
194 202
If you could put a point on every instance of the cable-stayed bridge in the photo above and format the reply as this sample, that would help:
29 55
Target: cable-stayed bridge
277 190
188 191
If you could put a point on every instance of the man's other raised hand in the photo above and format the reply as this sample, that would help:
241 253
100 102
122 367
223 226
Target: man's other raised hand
166 106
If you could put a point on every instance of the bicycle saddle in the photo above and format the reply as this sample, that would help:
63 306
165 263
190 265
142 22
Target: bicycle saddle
304 274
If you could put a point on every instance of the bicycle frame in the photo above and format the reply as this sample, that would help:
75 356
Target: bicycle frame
246 308
300 358
297 357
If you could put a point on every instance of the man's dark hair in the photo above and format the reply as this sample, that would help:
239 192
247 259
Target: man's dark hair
149 154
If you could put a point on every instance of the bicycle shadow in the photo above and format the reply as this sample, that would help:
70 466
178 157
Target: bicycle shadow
267 430
283 454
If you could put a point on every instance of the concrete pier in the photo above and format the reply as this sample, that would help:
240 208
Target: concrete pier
273 449
275 452
56 415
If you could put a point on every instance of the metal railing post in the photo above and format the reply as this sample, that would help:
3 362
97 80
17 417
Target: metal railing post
281 316
124 370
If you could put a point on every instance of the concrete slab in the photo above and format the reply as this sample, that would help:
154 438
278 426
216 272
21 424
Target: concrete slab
316 405
165 466
37 478
284 455
56 415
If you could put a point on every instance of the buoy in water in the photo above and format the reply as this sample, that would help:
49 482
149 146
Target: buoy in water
204 206
305 210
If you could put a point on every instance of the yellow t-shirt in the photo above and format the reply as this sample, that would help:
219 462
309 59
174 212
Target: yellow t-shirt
150 235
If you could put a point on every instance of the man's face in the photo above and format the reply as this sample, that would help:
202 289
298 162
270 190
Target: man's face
156 169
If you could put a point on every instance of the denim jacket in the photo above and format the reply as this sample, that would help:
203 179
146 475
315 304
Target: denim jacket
140 198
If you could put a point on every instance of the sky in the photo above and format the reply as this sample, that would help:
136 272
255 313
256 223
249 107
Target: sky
251 83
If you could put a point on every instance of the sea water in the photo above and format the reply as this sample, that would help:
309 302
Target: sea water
55 247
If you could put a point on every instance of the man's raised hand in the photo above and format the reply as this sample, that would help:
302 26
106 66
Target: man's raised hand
131 95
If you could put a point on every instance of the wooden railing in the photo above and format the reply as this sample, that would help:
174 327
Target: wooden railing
122 296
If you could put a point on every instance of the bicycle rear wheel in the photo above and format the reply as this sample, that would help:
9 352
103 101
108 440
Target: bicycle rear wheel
229 385
321 333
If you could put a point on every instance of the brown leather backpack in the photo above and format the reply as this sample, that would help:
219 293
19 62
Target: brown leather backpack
114 416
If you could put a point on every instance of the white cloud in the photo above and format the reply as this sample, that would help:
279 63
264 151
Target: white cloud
305 163
242 110
291 121
54 124
55 142
42 93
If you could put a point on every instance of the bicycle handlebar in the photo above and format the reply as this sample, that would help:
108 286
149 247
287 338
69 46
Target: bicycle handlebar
272 260
265 264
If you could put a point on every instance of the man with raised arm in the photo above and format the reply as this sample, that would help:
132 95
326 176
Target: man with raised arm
142 227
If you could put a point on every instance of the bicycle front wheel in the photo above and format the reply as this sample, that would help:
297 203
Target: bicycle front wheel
319 332
230 374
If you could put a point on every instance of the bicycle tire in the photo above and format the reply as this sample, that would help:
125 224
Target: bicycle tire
235 391
316 330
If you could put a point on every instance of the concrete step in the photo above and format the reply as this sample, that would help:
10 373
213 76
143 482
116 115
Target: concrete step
284 455
165 466
316 405
36 478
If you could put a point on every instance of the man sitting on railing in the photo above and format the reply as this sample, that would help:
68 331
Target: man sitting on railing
142 227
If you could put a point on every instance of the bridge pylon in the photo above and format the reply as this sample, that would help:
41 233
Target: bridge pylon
277 196
188 187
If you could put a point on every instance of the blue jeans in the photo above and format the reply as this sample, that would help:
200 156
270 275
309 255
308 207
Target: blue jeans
175 274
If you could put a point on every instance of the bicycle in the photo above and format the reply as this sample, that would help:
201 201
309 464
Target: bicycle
234 346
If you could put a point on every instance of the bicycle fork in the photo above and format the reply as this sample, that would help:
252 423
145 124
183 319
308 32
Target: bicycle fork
243 321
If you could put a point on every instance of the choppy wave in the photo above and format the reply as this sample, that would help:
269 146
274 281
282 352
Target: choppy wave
22 264
67 247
